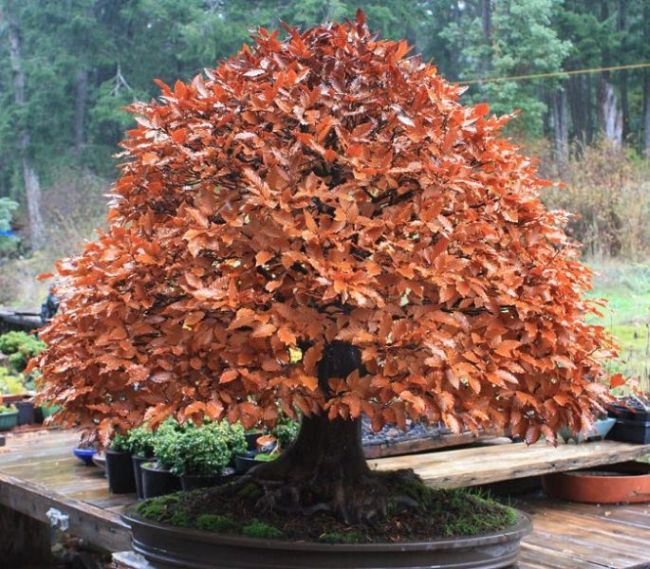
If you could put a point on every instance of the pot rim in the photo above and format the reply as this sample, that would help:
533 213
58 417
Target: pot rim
520 529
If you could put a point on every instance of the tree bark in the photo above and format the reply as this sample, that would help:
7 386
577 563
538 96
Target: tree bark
560 117
325 469
80 111
30 176
646 113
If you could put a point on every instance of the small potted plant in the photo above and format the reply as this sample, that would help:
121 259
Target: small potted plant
141 444
157 477
8 417
85 452
119 468
203 454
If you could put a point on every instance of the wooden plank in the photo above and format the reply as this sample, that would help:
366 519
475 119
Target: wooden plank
414 446
483 465
98 526
24 541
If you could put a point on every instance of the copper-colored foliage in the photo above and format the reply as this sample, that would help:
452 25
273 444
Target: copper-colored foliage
325 187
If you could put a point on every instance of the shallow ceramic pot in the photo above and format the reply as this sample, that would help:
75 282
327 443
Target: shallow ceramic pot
627 482
172 547
85 455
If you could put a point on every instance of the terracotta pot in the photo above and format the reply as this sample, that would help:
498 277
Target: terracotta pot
627 482
168 546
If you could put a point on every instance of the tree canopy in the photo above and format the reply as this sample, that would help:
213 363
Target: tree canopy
326 187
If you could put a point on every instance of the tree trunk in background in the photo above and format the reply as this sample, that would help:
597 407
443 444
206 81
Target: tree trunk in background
611 115
30 176
560 118
486 23
646 113
625 108
80 111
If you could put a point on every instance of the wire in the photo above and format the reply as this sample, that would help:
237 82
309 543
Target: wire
555 74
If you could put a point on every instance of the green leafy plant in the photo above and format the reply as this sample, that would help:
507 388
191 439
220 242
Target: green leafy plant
201 451
120 443
20 347
141 441
165 445
285 431
10 383
5 409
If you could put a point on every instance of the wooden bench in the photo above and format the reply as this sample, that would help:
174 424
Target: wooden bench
39 474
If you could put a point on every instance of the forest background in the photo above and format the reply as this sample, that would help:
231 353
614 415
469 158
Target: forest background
68 68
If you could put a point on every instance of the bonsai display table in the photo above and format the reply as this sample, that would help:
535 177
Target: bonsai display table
39 474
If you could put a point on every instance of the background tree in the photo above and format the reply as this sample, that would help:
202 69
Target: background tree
319 226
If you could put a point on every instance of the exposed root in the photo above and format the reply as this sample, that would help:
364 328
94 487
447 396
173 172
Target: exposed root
367 498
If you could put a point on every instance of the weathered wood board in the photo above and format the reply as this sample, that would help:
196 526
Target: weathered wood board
483 465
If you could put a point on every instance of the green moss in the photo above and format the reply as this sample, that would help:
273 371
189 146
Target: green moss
181 519
341 537
158 509
213 522
251 491
261 530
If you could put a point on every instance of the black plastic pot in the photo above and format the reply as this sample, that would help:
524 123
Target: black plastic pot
119 471
26 412
251 439
192 481
631 431
168 546
137 462
623 412
158 481
244 462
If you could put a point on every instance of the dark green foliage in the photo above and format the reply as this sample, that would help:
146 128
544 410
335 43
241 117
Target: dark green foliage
120 443
20 347
86 59
141 441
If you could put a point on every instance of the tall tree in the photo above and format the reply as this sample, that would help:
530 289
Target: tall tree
31 180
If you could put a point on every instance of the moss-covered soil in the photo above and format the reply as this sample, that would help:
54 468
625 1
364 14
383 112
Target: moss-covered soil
233 509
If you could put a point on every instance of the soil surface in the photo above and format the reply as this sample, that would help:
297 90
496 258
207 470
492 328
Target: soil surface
234 509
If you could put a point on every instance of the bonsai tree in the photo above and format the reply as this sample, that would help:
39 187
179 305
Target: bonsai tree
319 225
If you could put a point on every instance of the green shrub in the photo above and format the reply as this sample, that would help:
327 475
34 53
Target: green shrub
233 434
286 431
200 451
4 409
165 445
141 441
10 383
120 443
20 347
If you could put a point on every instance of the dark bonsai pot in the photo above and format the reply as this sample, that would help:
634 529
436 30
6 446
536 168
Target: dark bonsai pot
119 471
251 439
168 546
158 481
137 462
26 412
244 462
8 420
194 481
612 484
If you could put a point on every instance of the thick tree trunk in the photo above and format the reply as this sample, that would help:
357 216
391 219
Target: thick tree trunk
30 176
325 469
611 115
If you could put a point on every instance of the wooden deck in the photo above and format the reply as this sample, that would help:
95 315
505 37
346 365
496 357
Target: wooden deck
38 472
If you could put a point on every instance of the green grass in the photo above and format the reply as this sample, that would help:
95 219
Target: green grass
626 286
